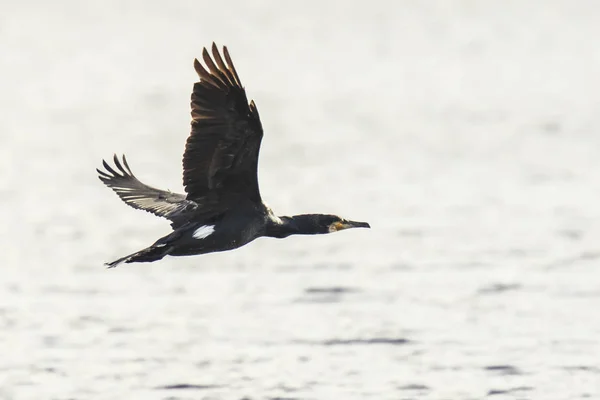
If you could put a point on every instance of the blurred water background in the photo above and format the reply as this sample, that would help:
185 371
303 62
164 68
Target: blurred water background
466 132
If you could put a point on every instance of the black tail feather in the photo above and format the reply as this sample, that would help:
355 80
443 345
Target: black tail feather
152 253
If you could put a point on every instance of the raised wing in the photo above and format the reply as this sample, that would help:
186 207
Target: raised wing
221 154
172 206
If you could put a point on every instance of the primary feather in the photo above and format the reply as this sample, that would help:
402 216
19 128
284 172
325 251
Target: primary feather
166 204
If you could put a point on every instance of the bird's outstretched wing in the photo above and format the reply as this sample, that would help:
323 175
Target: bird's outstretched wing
172 206
221 154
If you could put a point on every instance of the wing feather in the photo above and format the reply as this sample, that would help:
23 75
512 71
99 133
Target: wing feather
166 204
221 155
222 67
230 66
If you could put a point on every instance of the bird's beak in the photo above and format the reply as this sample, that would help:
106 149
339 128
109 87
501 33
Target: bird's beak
355 224
340 226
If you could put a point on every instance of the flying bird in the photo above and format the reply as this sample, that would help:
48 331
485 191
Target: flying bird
222 208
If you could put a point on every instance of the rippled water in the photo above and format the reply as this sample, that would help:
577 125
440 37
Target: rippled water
466 133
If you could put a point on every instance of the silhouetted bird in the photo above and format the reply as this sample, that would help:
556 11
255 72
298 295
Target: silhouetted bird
223 209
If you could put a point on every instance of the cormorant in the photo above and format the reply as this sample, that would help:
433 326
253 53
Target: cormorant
223 209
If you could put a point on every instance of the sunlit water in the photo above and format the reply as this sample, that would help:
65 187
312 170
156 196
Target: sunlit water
466 133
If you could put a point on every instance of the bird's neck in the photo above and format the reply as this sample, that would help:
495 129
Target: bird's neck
283 227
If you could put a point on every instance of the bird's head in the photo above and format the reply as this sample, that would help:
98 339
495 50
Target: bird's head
333 223
322 223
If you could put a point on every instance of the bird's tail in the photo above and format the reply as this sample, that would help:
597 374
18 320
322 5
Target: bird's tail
152 253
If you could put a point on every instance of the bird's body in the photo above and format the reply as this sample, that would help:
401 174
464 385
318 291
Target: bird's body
233 229
222 209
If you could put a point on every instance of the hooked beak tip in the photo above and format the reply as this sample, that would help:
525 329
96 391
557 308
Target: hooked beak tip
361 225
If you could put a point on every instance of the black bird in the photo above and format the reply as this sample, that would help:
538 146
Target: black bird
223 209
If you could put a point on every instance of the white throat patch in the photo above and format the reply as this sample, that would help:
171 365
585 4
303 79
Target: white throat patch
204 231
272 216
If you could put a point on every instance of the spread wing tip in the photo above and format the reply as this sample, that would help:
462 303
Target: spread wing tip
215 71
111 173
138 195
